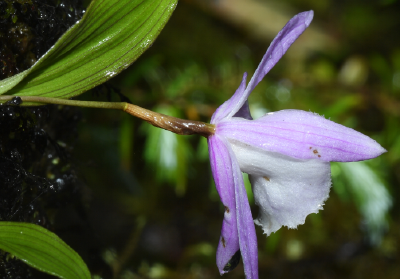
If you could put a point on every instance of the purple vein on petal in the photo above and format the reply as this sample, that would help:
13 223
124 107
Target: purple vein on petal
256 125
228 106
278 47
334 142
292 140
221 167
300 150
245 223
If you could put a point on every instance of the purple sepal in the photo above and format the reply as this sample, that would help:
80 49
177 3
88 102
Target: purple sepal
221 167
246 228
281 43
285 38
228 106
238 229
302 135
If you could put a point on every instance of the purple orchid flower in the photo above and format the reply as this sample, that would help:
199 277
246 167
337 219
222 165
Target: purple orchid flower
286 155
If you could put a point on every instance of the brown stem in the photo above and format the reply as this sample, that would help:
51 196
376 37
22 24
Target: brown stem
173 124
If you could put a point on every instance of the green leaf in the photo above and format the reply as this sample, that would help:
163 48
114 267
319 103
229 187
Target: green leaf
111 35
42 250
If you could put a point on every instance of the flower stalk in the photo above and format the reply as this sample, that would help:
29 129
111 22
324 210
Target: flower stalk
176 125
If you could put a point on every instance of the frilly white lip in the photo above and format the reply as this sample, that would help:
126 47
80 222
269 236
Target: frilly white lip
286 189
287 155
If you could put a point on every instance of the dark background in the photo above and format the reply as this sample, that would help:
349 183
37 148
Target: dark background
144 203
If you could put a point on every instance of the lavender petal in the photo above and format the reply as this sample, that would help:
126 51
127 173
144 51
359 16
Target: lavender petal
221 167
227 107
246 229
285 38
302 135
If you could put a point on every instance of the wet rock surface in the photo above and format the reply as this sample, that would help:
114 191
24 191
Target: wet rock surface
28 28
37 177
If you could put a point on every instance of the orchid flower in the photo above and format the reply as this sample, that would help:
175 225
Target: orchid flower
287 155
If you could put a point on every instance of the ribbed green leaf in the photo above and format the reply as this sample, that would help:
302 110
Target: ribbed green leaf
42 250
110 36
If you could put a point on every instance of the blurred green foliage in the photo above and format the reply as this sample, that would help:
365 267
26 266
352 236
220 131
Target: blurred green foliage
166 153
193 67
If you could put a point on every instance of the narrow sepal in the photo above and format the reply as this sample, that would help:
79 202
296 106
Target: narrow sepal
246 229
227 107
285 38
221 167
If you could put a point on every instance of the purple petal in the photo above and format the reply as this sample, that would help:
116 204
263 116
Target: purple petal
228 106
221 167
302 135
238 229
247 232
285 38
